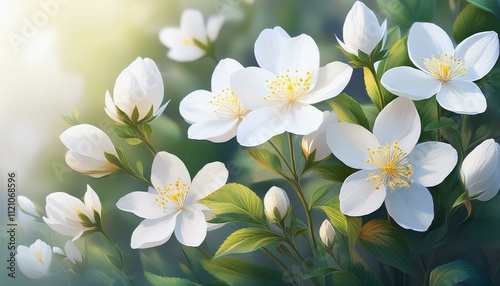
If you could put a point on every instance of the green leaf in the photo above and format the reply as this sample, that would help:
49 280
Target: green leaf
472 20
319 272
247 240
113 159
398 56
490 86
238 272
135 115
386 244
140 167
319 196
146 129
124 131
406 12
235 198
335 173
458 272
356 275
345 278
348 110
266 158
427 110
73 118
444 123
373 88
114 261
432 240
492 6
158 280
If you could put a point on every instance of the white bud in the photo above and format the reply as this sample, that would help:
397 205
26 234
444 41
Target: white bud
327 233
276 198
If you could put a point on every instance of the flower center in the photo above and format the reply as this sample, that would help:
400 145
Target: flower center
445 67
38 256
173 193
289 87
227 104
187 42
393 168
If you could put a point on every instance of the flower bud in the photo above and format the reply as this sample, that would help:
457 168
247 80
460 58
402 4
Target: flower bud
480 171
27 206
327 233
34 261
362 30
317 139
276 198
87 144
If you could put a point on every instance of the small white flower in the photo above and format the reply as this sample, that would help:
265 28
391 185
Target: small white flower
69 216
393 167
282 92
192 39
276 198
215 115
327 233
444 70
480 171
27 206
317 139
172 206
34 261
362 30
87 144
139 86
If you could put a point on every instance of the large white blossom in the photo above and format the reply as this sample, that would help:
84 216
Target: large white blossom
172 205
282 91
87 144
362 30
480 171
139 86
394 168
34 261
70 216
444 70
215 115
192 39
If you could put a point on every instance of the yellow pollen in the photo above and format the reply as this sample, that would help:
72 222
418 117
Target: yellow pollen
289 87
226 104
445 67
187 42
38 256
392 167
173 193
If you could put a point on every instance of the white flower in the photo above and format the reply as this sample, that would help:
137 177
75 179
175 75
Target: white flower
172 206
443 70
215 115
72 253
27 206
480 171
362 30
327 233
393 169
192 39
70 216
276 198
281 92
87 144
34 261
317 139
139 86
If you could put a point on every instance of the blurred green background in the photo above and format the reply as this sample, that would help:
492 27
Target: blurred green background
59 55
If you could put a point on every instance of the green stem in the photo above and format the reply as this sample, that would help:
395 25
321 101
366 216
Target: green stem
119 253
280 264
134 175
371 68
147 141
281 156
191 265
292 157
438 110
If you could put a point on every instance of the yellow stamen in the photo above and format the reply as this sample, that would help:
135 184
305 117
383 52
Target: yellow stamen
173 193
227 104
445 67
289 87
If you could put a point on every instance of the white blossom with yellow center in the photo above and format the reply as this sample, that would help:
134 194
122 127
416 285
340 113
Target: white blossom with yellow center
172 205
393 168
281 92
444 70
215 115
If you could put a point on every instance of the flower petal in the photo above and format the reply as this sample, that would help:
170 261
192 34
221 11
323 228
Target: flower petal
110 108
359 197
349 143
432 162
222 73
411 208
142 204
260 125
250 84
302 119
398 121
214 24
153 232
426 40
167 169
361 29
299 53
88 165
209 179
219 130
331 80
92 201
462 97
171 37
478 53
196 107
191 227
267 47
411 83
87 140
186 53
193 25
